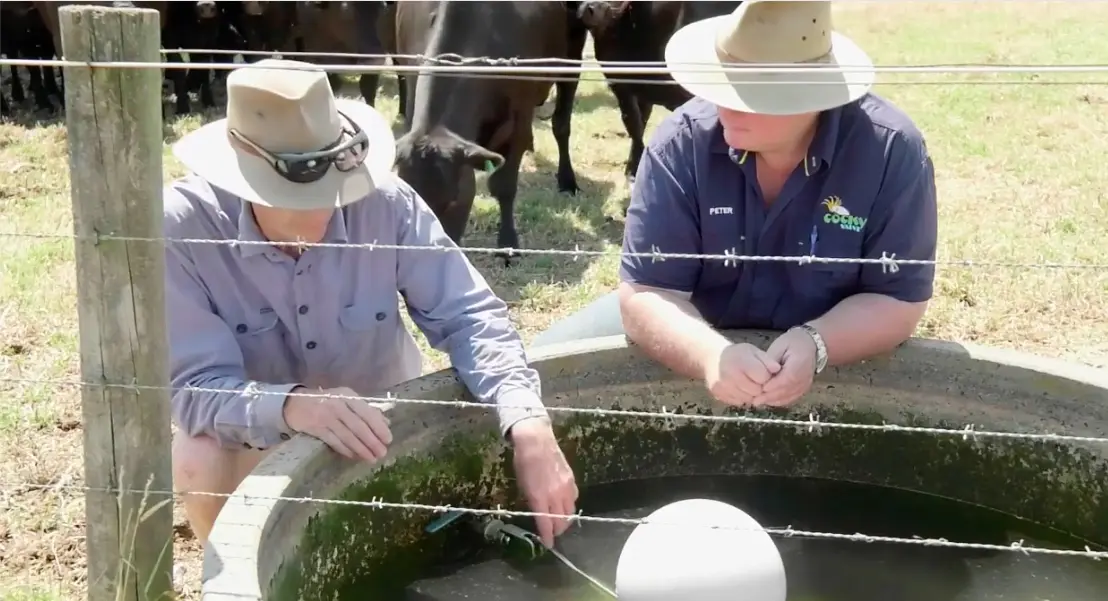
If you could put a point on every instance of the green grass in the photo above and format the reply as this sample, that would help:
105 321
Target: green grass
30 594
1022 179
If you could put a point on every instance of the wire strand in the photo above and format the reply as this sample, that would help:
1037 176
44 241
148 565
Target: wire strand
812 425
785 532
731 258
590 59
481 66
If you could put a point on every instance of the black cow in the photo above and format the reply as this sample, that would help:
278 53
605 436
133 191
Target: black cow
268 27
463 123
347 28
638 31
23 35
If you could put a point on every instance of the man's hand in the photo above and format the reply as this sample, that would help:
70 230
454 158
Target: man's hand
738 375
796 352
544 476
353 428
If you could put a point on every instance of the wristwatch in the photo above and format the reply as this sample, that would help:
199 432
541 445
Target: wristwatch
821 347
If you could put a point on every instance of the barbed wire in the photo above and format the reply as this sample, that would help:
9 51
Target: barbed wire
812 425
511 68
731 258
447 62
590 59
783 532
354 69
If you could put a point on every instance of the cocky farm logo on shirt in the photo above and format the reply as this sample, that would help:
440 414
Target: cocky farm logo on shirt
838 214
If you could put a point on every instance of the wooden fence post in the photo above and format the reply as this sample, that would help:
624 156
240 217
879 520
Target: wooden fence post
114 127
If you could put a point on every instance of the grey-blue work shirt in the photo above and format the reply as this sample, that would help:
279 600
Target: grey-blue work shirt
256 322
865 190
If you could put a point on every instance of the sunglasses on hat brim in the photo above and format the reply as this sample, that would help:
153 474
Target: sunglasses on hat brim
346 154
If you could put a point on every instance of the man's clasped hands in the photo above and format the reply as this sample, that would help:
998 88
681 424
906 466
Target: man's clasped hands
745 375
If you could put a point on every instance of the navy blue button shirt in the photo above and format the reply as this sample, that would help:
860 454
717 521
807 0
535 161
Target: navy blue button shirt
866 189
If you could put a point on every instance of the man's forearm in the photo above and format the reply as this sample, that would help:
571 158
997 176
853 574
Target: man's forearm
240 413
489 357
865 325
669 329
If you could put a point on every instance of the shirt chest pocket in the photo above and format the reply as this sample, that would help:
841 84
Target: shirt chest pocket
367 329
261 340
823 285
721 235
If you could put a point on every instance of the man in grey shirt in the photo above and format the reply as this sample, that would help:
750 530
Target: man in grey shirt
274 326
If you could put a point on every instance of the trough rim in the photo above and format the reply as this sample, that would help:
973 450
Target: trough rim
230 564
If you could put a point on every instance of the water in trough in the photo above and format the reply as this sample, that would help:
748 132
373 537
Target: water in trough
823 570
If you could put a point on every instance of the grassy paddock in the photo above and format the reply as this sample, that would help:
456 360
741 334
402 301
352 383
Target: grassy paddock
1021 179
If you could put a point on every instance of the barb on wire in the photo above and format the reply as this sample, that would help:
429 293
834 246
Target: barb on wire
786 532
886 261
811 425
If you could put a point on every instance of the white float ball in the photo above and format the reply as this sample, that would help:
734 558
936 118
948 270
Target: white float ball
718 553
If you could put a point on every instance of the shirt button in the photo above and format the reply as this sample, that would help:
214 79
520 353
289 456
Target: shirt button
310 345
303 309
284 436
241 328
380 317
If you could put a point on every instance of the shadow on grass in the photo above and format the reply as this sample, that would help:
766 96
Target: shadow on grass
595 97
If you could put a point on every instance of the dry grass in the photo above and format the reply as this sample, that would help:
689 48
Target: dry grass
1022 179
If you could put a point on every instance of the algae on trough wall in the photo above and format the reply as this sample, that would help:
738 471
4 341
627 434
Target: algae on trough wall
349 551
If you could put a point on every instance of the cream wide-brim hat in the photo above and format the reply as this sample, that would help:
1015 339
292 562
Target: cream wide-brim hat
209 153
694 63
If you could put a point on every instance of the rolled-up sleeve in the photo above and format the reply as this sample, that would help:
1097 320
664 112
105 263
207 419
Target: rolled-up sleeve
662 216
454 307
904 223
203 353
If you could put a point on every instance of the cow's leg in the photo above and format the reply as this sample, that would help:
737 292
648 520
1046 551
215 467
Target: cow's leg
17 86
50 80
202 78
4 109
335 79
180 79
503 184
402 95
367 83
560 126
646 108
38 90
406 83
633 123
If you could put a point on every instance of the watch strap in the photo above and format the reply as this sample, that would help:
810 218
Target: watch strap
821 347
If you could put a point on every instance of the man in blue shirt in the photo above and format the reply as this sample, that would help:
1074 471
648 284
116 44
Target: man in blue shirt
784 164
270 340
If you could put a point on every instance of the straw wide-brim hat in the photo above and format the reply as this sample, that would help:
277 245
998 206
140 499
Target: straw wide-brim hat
287 106
768 32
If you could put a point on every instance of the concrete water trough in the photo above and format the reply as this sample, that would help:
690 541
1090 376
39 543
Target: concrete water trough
282 550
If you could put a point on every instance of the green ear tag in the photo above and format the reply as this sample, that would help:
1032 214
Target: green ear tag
489 168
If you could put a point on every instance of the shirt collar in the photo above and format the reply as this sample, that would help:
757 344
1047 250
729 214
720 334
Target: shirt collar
249 232
821 152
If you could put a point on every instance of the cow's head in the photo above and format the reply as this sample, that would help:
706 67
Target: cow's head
599 15
440 167
206 9
254 8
